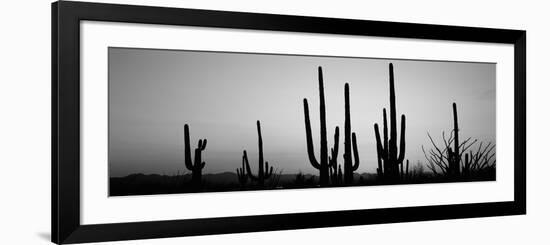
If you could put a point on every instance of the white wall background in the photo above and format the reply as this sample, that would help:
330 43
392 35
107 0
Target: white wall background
25 121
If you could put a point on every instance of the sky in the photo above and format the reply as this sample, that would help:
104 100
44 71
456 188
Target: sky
220 95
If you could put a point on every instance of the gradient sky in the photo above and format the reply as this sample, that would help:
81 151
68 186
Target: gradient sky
153 93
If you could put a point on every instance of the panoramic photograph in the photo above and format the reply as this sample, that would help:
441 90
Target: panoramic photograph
184 121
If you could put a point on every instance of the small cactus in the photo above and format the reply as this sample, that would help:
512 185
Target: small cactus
194 166
241 174
263 172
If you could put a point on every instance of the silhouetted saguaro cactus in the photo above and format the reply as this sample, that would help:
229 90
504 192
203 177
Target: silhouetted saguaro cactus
389 156
454 155
241 174
262 176
349 142
323 164
194 166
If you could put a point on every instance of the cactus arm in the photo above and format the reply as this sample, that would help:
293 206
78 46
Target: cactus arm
379 150
401 170
199 164
334 150
268 173
188 161
239 173
241 176
355 153
198 160
243 167
309 138
407 168
385 148
247 165
402 143
260 151
339 173
379 147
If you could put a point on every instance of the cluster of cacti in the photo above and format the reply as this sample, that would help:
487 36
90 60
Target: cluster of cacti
392 167
452 161
197 165
390 158
264 170
323 164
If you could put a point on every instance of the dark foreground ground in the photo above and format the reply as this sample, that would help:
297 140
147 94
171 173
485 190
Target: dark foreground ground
141 184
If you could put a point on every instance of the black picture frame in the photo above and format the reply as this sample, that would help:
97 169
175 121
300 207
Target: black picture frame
65 167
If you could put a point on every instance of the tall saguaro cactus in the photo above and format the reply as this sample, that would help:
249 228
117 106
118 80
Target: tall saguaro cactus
349 139
194 166
263 173
323 164
454 155
389 156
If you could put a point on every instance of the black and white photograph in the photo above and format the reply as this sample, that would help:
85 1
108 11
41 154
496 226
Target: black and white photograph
241 123
186 121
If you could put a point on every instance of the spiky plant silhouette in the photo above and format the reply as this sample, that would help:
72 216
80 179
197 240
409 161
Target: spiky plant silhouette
480 161
194 166
448 159
263 168
323 164
389 156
